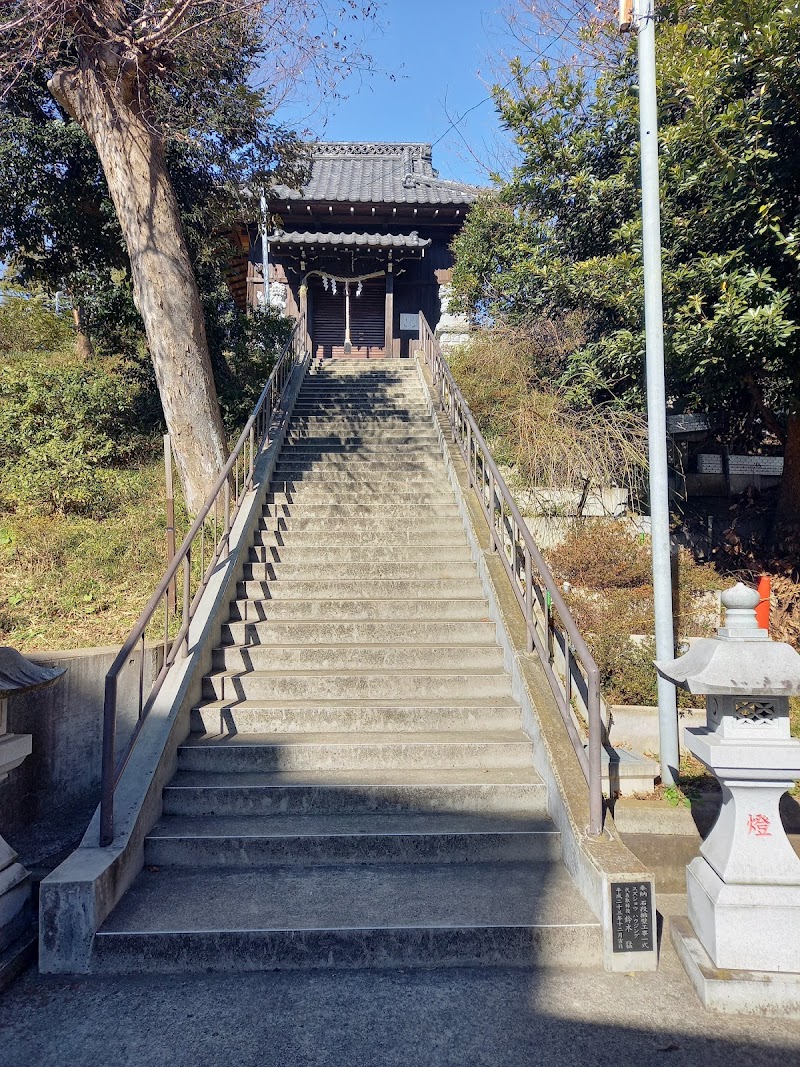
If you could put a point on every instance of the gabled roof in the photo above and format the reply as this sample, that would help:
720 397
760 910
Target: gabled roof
350 240
354 172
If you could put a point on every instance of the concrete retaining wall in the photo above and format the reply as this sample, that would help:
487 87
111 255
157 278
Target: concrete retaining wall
60 781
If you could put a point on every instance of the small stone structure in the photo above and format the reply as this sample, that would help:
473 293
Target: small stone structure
453 329
17 675
741 944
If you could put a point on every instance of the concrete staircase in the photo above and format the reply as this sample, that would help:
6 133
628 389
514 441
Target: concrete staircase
356 790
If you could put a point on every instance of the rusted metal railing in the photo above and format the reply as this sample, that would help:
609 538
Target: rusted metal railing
205 545
565 656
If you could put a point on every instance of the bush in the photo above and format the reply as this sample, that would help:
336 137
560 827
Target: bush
603 554
610 596
532 424
63 428
28 323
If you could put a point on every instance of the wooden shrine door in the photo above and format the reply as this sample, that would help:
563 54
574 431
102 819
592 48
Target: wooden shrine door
367 320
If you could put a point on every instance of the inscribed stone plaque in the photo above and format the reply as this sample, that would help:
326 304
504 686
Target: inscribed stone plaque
632 917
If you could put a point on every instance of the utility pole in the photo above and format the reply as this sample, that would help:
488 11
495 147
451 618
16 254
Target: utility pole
640 14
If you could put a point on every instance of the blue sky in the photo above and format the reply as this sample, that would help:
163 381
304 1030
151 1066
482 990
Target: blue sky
439 52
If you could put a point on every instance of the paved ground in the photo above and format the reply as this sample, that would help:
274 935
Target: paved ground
449 1018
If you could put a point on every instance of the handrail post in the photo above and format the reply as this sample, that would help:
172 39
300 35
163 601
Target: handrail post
529 598
187 596
492 534
252 456
595 753
227 510
108 764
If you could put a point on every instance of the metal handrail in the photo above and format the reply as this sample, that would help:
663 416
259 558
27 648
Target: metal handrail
214 522
550 626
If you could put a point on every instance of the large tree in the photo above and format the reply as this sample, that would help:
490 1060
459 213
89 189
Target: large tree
566 231
136 76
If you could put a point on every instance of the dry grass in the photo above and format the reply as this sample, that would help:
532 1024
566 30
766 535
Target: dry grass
531 425
73 582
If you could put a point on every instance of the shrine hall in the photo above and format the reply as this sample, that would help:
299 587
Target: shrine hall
361 249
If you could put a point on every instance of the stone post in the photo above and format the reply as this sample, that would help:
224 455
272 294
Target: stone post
741 943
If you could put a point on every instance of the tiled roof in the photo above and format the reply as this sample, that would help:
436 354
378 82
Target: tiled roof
359 240
377 174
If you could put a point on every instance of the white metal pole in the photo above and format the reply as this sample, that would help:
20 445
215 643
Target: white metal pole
669 752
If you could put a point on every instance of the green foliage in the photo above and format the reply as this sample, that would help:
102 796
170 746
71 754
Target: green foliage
64 427
563 235
28 323
58 226
255 343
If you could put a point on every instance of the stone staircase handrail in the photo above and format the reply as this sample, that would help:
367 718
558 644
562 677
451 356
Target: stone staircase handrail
547 617
213 523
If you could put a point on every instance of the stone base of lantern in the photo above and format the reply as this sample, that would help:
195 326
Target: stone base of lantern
734 992
752 927
18 957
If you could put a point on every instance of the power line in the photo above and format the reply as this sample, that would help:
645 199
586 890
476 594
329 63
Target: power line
539 55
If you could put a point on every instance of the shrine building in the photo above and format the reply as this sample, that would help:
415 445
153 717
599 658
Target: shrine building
362 248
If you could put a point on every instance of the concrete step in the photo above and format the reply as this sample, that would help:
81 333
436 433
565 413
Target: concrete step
404 431
373 536
516 790
374 406
396 631
357 657
364 481
381 445
321 554
342 610
315 458
260 716
356 685
326 398
368 509
369 421
242 753
348 468
355 588
291 840
412 525
349 916
347 569
354 494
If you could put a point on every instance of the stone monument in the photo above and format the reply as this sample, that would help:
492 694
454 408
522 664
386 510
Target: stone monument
741 942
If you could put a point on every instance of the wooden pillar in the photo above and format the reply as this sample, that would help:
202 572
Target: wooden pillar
348 347
389 342
304 312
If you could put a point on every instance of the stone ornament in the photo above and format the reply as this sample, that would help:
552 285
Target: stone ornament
21 675
744 888
17 675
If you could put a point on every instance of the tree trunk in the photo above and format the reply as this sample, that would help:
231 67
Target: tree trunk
83 343
164 286
788 513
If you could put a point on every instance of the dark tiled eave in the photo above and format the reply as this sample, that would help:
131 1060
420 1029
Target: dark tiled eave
350 240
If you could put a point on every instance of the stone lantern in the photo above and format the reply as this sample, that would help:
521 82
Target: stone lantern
744 888
17 675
